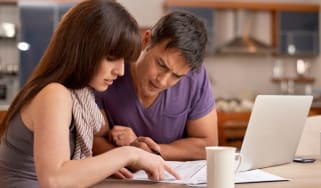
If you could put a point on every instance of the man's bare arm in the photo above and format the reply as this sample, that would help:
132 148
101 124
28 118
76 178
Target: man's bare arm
101 143
200 133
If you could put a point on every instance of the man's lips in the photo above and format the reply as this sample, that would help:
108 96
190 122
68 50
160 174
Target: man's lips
154 86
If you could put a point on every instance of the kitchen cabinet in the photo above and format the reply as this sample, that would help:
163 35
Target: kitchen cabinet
294 27
36 29
270 6
2 115
232 127
298 33
38 22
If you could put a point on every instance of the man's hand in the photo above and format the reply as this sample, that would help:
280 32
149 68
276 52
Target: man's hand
147 144
121 135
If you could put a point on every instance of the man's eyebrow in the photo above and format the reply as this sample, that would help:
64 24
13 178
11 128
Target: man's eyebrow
179 75
175 74
163 62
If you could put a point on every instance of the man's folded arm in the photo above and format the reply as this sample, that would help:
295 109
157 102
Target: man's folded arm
101 143
200 133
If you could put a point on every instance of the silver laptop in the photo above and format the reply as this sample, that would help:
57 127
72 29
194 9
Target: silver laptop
274 130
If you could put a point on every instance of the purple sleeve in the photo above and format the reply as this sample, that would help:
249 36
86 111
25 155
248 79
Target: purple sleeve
204 99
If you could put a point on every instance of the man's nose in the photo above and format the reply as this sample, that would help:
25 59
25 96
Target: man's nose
163 78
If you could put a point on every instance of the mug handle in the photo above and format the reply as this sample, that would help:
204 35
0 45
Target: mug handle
238 157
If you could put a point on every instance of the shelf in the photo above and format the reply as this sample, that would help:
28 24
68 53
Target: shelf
243 5
55 1
303 80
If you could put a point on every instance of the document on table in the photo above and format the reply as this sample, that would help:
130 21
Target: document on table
194 173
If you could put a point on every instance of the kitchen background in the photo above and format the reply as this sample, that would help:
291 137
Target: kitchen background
243 76
236 75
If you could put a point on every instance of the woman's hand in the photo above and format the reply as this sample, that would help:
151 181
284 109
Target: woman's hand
153 165
124 173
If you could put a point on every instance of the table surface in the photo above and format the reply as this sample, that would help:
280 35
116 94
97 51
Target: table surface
301 176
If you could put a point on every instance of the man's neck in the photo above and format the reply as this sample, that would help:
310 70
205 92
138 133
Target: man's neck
145 101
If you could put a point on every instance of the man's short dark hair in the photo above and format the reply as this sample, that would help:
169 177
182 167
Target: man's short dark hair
184 31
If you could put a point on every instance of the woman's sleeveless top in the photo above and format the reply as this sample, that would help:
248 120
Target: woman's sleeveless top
17 168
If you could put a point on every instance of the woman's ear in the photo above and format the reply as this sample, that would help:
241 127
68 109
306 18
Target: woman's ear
146 38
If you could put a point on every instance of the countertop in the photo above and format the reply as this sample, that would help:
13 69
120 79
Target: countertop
4 107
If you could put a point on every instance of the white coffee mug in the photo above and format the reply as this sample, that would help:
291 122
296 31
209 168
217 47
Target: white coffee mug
221 166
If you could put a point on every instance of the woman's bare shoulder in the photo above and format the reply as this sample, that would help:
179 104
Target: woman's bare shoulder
54 96
54 91
53 101
55 87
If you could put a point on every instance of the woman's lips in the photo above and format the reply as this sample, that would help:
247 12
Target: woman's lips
108 82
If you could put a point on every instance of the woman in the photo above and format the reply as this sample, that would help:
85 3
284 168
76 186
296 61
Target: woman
48 132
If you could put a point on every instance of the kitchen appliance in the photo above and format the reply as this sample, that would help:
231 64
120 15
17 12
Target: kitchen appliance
244 42
8 88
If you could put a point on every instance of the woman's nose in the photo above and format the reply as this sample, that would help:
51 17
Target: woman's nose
120 68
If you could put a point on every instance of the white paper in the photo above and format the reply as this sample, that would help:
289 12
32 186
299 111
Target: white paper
257 176
194 173
189 171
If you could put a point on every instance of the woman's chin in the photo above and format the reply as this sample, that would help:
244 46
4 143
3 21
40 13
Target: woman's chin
101 89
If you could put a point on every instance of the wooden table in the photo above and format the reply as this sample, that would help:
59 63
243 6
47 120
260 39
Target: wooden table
301 175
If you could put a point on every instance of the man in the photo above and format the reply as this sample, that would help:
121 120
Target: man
165 96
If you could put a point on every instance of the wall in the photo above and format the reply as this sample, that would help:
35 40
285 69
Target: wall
8 48
234 76
9 55
146 12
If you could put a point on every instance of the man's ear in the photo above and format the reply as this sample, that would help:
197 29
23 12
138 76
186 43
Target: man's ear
146 38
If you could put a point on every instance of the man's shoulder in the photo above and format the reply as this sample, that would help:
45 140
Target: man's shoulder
192 85
195 78
199 73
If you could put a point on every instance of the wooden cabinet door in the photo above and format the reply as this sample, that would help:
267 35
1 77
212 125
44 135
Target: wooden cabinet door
299 33
2 114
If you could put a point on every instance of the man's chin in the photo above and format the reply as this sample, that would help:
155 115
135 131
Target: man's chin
151 93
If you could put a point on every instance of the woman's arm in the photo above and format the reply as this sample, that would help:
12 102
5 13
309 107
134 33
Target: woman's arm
49 116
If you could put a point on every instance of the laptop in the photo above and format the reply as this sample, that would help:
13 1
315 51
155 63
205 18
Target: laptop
274 130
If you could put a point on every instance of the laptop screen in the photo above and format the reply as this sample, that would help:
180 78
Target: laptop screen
274 130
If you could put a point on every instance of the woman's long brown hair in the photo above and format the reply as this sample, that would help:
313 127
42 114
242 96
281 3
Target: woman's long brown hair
89 32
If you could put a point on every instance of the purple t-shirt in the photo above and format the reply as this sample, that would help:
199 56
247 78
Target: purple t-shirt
165 120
